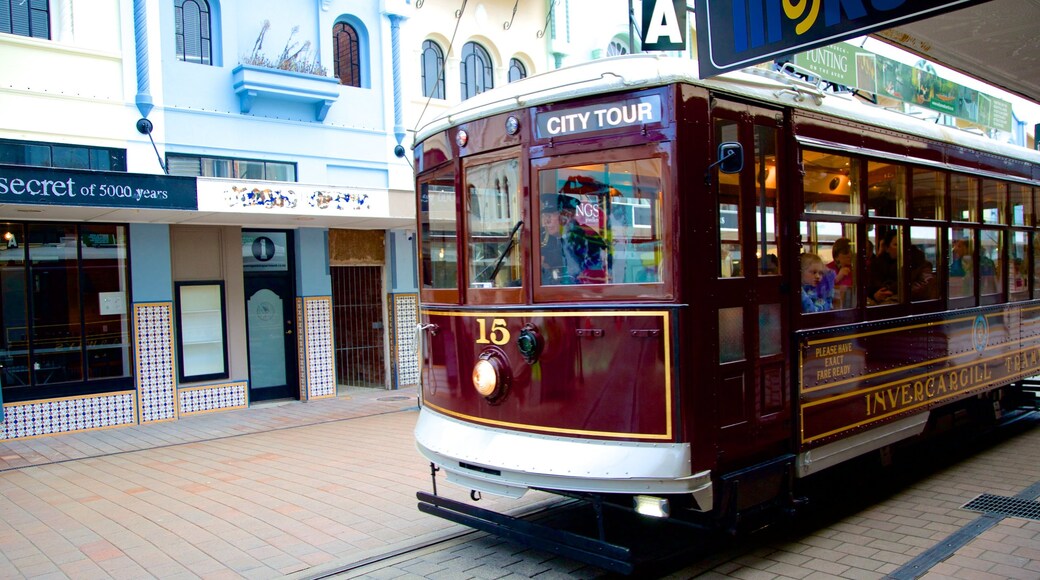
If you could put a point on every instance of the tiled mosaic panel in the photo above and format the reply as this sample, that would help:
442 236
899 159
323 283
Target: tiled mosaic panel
217 397
320 369
403 322
301 348
67 415
154 354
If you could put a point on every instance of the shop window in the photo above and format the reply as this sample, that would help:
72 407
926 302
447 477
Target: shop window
193 31
830 183
201 330
886 190
65 323
964 198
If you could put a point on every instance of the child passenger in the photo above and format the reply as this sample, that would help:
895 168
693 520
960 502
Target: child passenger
817 284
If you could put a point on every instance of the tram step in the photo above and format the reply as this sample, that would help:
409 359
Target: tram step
582 548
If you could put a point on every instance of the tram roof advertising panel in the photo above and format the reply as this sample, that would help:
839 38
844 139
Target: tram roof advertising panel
746 32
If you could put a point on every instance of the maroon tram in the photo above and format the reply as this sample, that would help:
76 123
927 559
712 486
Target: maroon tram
612 294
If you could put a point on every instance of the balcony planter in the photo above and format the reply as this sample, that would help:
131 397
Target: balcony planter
253 82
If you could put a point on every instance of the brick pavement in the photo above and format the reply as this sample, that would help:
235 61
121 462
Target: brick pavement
265 492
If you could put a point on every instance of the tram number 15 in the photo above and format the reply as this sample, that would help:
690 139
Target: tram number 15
499 333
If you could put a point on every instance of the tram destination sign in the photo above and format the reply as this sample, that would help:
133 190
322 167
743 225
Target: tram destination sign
70 187
742 33
623 113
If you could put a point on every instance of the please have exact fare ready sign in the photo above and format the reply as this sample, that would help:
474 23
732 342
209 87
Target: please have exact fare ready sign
576 120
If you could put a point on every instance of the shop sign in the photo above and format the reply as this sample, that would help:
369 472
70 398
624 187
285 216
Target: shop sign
70 187
741 33
264 252
664 25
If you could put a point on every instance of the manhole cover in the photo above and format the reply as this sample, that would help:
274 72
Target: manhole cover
394 398
1005 506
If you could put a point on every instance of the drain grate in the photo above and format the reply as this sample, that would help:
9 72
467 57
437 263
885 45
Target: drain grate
1004 506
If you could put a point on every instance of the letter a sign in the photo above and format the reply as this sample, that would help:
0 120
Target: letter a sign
664 25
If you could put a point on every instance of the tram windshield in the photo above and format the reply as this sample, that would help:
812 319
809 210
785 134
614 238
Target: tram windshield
601 223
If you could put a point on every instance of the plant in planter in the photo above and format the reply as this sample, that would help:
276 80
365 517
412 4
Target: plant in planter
295 57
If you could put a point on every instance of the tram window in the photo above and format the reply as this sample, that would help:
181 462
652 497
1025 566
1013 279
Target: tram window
1020 202
766 227
835 244
1018 267
994 199
964 197
1036 266
729 208
731 334
601 223
924 260
962 260
830 184
440 260
769 326
991 274
493 224
885 273
929 191
886 189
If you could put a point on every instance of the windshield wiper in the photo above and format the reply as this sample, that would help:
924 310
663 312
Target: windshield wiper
505 252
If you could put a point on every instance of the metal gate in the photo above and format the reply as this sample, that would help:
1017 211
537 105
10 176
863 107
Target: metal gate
357 316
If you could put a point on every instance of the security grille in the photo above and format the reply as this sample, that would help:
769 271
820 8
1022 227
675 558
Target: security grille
1005 506
357 312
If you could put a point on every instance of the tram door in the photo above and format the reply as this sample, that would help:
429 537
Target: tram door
752 404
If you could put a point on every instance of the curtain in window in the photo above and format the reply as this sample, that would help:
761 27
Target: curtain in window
193 31
347 55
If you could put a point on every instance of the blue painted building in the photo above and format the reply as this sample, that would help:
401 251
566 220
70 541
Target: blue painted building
275 261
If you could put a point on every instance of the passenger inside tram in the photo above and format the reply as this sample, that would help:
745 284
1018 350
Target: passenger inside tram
817 284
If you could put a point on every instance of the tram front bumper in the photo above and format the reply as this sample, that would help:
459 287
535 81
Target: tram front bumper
508 463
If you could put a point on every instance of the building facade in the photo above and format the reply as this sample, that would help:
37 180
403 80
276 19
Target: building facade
200 207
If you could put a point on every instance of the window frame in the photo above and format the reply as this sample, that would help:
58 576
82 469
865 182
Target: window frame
32 16
340 64
430 47
436 295
182 344
495 295
235 161
474 54
204 34
518 67
84 386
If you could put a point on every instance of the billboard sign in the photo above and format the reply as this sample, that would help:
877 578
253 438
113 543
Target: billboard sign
741 33
858 68
664 25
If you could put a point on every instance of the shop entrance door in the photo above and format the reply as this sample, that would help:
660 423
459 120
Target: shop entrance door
270 315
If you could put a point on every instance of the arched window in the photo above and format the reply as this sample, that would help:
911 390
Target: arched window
25 18
194 40
432 70
517 70
476 70
616 48
347 54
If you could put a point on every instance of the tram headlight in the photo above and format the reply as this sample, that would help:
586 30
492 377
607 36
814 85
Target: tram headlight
491 376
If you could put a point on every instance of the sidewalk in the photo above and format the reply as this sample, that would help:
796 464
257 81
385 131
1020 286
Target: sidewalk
267 492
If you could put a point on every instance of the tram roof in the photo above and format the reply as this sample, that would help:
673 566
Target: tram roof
645 70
